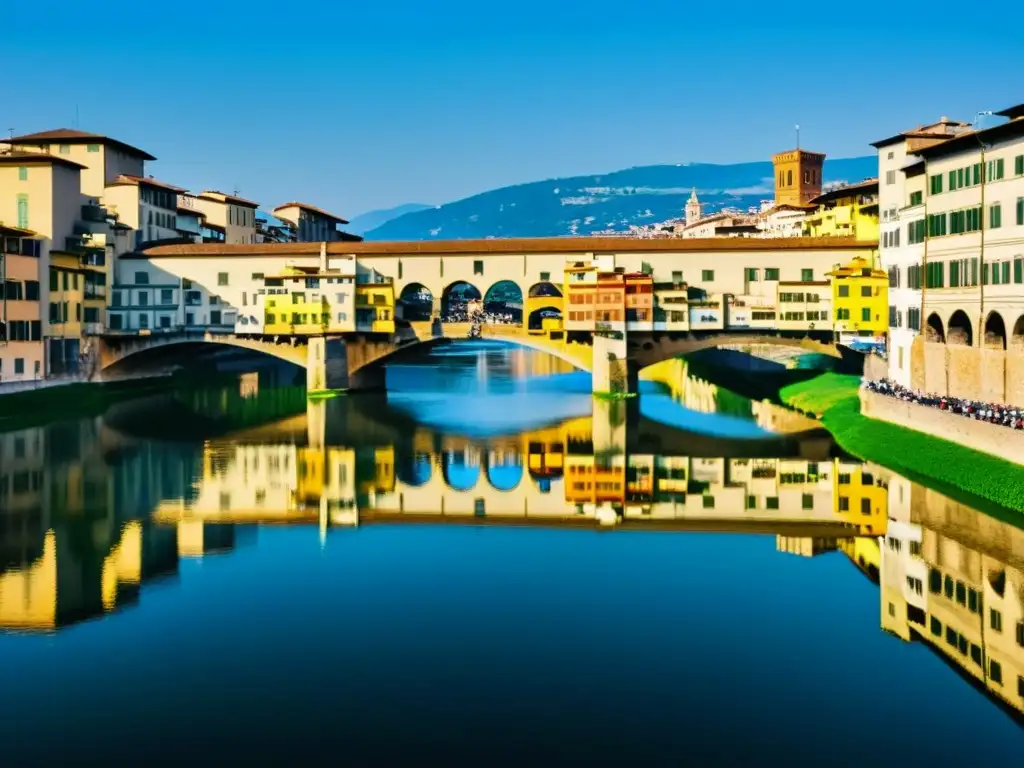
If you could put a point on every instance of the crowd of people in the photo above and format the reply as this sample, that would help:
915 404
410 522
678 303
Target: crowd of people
462 314
993 413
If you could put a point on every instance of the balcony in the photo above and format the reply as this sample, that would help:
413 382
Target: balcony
94 213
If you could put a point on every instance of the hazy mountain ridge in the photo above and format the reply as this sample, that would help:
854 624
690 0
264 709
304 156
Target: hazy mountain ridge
587 204
364 222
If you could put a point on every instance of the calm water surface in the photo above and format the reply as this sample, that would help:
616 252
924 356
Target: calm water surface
488 565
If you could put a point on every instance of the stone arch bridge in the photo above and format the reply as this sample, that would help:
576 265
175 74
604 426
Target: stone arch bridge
356 361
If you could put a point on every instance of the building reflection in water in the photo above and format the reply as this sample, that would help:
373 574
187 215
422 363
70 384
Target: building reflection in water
90 515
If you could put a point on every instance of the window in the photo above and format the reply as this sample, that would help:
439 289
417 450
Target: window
65 149
32 290
916 198
936 627
995 618
23 211
1020 633
707 275
478 267
842 314
1020 210
771 502
935 184
890 177
214 317
143 321
995 170
167 296
222 278
753 274
92 147
545 277
19 365
936 224
771 273
709 502
23 174
677 277
844 291
865 314
995 671
865 291
807 502
142 278
1018 165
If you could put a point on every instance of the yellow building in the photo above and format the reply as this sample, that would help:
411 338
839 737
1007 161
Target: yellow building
860 498
67 298
309 300
860 299
375 303
850 211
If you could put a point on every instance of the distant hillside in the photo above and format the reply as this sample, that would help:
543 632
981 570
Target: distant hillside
586 204
364 222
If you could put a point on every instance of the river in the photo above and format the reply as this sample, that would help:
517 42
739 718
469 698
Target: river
487 565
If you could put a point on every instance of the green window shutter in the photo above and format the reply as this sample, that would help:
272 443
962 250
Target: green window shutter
1006 272
954 274
974 271
995 216
952 179
984 274
1020 210
1018 271
865 314
1018 165
1000 168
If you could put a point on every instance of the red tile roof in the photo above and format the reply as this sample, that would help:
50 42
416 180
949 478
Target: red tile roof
518 246
213 194
125 179
28 158
72 136
311 208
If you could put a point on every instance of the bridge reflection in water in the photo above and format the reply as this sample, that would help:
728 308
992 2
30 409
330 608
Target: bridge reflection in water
92 513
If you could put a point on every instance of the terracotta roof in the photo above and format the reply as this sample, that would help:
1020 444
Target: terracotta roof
213 194
1013 112
71 136
27 158
860 188
519 246
971 140
311 208
126 180
16 232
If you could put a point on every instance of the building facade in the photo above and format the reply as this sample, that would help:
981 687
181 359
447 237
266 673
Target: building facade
309 224
21 327
901 200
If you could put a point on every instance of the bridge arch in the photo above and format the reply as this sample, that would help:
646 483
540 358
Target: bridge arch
935 330
457 299
995 331
535 321
459 471
415 471
1017 339
959 331
505 298
417 302
504 475
115 353
543 289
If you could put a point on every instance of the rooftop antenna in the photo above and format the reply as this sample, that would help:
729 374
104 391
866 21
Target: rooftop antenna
11 132
798 137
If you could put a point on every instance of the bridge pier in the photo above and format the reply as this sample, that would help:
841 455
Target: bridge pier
346 364
613 373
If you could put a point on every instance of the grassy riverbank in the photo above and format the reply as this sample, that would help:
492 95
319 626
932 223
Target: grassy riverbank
31 408
952 469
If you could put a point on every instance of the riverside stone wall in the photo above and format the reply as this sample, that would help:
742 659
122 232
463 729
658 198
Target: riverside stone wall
998 441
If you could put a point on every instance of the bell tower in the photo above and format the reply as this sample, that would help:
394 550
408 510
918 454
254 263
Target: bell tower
797 176
694 209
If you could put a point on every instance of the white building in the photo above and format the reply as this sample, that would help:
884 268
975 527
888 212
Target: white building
901 202
200 292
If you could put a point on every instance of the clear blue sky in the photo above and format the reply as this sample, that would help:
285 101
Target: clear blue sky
356 106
